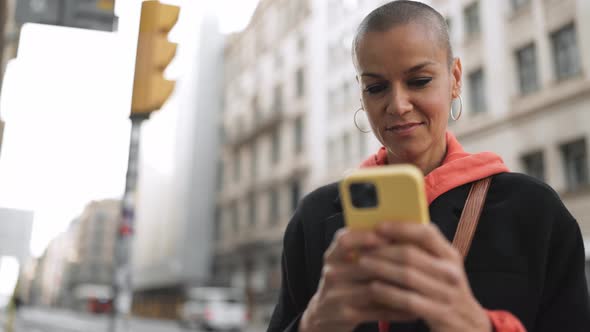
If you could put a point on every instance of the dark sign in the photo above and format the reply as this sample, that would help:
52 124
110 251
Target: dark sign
85 14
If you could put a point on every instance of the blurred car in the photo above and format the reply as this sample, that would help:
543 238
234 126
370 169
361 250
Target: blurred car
214 309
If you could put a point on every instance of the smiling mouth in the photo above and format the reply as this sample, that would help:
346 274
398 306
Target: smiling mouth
404 127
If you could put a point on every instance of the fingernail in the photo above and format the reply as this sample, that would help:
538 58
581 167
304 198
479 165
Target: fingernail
385 226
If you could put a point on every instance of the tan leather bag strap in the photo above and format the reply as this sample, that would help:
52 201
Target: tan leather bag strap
470 216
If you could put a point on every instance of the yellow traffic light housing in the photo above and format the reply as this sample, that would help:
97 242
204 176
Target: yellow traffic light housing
154 53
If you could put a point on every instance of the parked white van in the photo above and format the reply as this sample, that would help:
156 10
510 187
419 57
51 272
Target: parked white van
214 309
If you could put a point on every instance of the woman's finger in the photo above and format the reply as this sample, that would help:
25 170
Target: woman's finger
352 303
377 313
430 285
348 243
344 273
398 299
409 255
427 237
345 295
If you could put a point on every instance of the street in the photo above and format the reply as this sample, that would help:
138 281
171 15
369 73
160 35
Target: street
54 320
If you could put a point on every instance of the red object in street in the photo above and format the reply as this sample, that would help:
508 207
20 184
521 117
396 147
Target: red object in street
99 306
125 230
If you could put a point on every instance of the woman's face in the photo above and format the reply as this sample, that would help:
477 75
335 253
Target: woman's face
407 89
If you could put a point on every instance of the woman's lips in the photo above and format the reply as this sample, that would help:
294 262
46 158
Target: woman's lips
404 129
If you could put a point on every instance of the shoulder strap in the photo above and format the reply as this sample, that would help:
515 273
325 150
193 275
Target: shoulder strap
470 216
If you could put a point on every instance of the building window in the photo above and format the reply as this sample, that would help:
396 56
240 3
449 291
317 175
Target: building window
534 164
332 153
565 52
362 144
278 61
217 235
346 92
575 162
256 110
254 161
235 217
298 135
252 209
237 167
274 206
278 99
449 23
472 19
477 91
276 146
274 269
220 171
222 135
295 194
301 44
300 80
346 148
527 69
518 4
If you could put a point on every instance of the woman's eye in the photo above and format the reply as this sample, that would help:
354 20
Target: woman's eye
375 88
420 82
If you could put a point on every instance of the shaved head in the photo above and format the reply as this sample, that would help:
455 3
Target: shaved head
403 12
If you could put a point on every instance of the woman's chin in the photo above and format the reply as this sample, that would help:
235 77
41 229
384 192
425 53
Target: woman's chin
405 154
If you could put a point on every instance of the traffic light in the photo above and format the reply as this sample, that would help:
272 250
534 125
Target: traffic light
106 5
154 53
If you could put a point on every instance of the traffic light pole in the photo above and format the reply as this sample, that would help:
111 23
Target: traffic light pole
150 92
122 286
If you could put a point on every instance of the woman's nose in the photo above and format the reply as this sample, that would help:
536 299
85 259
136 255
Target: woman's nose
399 103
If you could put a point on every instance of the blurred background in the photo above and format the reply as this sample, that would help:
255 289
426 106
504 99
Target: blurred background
261 114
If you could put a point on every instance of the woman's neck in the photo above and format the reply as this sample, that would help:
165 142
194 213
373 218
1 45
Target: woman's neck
426 162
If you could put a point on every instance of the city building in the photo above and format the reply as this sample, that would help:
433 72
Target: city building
77 266
25 280
267 159
346 145
54 270
90 272
526 91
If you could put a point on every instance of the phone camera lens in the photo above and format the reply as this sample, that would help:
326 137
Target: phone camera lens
363 195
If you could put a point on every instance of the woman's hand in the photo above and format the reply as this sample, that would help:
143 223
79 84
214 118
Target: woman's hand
341 301
421 273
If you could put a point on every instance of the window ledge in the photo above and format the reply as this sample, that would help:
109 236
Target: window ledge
523 107
583 190
471 39
550 95
522 11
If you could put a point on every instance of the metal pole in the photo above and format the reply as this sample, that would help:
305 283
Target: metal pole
122 287
3 20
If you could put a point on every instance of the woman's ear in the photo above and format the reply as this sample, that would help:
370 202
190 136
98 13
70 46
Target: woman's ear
456 72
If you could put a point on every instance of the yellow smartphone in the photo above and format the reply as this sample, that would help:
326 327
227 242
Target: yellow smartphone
387 193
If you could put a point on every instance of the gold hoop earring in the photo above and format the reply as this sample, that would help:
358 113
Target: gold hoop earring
356 124
453 116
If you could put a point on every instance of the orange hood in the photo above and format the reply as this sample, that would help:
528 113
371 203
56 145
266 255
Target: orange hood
457 169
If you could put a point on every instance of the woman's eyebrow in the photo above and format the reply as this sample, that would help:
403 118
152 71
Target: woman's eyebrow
414 69
371 75
418 67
